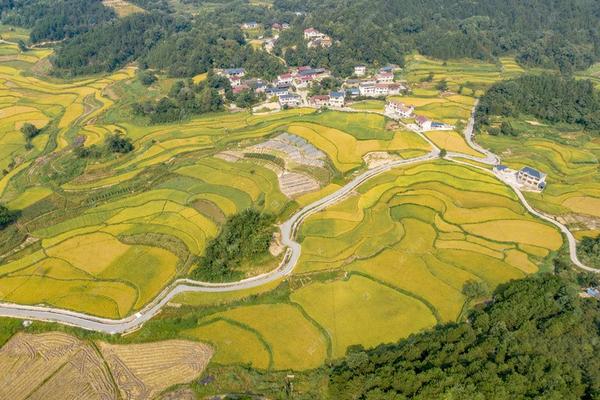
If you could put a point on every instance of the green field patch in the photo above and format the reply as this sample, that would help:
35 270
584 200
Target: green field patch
105 299
229 339
294 341
361 311
147 268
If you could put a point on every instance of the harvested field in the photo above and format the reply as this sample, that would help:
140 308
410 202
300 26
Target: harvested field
59 366
144 370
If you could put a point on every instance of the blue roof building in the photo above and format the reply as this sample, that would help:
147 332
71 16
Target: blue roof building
532 177
593 292
235 71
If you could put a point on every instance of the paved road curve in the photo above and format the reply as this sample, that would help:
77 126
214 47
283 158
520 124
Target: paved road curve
288 232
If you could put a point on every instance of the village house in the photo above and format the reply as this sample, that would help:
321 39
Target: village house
395 89
384 77
257 84
360 70
366 90
270 92
316 38
314 73
234 72
303 82
249 25
240 88
234 81
381 89
312 33
276 27
423 123
397 110
285 79
531 177
290 100
320 42
319 100
337 99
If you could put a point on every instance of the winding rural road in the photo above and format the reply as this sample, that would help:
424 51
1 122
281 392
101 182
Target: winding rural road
293 249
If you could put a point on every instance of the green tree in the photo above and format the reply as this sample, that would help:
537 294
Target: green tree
475 289
7 216
442 85
147 78
117 143
29 131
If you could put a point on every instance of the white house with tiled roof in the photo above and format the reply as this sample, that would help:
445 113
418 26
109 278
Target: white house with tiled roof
531 177
397 110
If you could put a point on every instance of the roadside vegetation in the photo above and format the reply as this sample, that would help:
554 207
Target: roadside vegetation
589 250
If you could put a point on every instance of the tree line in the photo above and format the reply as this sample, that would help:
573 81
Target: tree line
536 339
549 97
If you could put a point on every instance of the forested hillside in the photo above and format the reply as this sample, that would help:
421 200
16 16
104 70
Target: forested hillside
551 98
537 339
561 35
55 19
553 34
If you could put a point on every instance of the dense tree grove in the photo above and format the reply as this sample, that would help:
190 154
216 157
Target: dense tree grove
7 216
185 99
243 238
110 46
117 143
551 98
55 19
536 339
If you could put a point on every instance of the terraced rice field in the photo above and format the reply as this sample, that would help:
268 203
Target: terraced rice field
426 230
292 341
573 190
106 236
60 366
161 203
397 254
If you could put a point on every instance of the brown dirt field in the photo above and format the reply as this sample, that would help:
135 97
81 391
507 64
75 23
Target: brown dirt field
59 366
144 370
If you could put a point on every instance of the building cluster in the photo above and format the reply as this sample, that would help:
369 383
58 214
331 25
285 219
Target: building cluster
333 99
283 87
380 84
316 38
